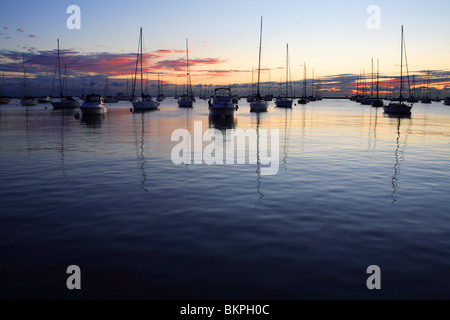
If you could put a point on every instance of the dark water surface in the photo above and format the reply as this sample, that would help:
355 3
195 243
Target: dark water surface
354 188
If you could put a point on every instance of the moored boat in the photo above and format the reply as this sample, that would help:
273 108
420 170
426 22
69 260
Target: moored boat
146 102
221 104
286 101
65 102
259 104
399 107
93 105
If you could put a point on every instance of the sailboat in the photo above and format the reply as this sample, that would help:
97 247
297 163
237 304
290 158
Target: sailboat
146 102
4 99
285 102
65 102
304 99
369 100
26 101
160 96
107 98
399 107
378 102
186 99
427 98
259 104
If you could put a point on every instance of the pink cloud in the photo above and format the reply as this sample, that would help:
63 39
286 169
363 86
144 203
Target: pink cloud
32 36
5 28
204 42
20 30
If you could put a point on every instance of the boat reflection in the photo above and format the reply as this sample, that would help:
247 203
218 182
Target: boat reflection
140 148
373 132
287 124
93 121
399 154
258 162
222 123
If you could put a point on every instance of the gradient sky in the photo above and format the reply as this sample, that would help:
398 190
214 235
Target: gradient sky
331 36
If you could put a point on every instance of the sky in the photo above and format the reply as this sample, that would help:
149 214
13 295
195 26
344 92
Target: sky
333 37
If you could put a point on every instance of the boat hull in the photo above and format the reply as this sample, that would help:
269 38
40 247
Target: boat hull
397 108
4 101
283 103
367 101
377 103
185 103
91 110
220 110
28 102
145 105
258 106
303 101
65 104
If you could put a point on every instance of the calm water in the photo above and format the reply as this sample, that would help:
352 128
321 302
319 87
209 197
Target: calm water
354 188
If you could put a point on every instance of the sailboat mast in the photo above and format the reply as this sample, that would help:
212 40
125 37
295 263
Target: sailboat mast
287 62
259 61
371 94
59 72
378 75
188 77
304 80
401 69
24 74
269 82
65 78
142 58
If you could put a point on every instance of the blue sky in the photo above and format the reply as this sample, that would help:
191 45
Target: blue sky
331 36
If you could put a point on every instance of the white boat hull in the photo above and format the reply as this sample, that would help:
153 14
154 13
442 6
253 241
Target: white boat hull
185 103
258 106
65 104
283 103
145 105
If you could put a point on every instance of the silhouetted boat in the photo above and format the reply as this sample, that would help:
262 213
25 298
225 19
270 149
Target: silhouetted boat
221 105
65 102
44 100
259 105
26 101
447 101
186 99
427 98
4 99
107 98
304 99
93 105
399 107
378 102
285 102
146 102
